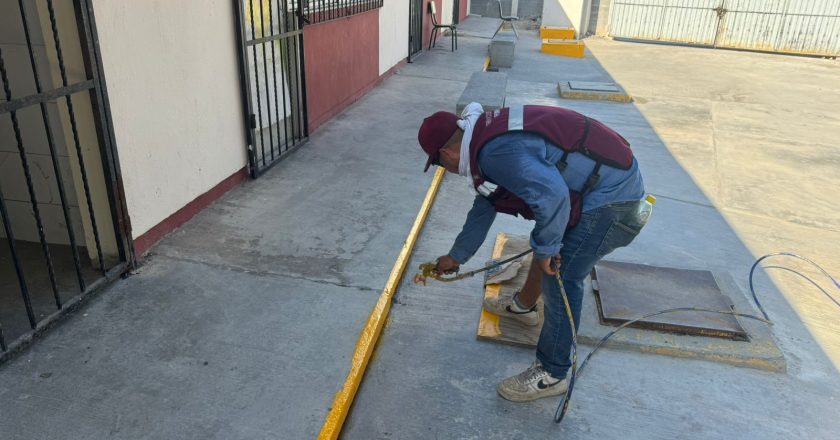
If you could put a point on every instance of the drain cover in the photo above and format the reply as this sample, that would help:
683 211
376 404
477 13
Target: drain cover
594 86
625 291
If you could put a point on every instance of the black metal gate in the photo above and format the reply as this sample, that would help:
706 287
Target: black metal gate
64 219
415 28
272 76
456 11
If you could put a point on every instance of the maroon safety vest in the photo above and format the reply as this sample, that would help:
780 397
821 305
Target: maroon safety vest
567 129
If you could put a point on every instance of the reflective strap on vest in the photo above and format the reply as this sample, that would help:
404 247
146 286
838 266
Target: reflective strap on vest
516 118
487 189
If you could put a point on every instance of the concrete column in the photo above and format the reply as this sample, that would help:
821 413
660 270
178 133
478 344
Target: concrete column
567 13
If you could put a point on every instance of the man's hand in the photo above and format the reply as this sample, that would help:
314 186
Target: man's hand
548 265
446 264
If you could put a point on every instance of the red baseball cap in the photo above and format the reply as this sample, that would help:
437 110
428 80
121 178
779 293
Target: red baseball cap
434 132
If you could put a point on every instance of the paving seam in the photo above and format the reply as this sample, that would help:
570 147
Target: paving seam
739 211
261 273
434 78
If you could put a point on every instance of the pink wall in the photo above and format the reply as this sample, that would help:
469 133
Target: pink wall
342 63
427 21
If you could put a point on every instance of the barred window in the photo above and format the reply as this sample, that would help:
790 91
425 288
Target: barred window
317 11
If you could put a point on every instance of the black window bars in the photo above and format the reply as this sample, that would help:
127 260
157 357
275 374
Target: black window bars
317 11
32 117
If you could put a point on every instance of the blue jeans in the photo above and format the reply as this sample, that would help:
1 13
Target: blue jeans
599 232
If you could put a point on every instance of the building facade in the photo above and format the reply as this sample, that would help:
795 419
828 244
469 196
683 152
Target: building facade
119 121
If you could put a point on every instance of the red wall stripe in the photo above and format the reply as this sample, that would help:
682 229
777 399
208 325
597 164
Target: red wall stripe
181 216
342 61
427 20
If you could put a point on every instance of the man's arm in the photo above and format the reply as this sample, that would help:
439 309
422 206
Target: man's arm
524 172
475 229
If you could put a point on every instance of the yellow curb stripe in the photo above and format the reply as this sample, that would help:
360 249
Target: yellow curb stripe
557 33
566 48
373 327
486 64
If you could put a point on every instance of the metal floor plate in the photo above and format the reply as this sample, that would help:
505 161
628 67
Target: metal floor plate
624 291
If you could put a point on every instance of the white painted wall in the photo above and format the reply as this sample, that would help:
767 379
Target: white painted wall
173 84
393 33
563 13
446 11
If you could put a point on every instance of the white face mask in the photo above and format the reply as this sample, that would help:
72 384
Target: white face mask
467 122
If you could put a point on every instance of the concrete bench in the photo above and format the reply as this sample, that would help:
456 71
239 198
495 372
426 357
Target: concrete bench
501 50
485 88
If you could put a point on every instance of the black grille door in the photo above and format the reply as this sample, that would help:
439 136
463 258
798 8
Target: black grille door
273 80
415 27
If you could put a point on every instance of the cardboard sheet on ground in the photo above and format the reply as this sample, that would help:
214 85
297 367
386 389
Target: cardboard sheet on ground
493 327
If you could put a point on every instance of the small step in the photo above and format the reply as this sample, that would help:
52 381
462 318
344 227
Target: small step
566 48
486 88
557 33
501 50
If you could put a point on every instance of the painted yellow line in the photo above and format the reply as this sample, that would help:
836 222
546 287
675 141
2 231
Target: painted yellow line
486 64
373 327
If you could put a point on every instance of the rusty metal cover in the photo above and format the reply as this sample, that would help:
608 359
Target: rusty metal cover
624 291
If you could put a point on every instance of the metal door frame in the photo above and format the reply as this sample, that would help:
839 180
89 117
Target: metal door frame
415 28
456 11
95 86
291 34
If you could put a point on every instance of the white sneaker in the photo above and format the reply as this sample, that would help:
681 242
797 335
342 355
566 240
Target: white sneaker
531 384
502 307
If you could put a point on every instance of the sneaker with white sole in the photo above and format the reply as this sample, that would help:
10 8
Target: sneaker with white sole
531 384
502 307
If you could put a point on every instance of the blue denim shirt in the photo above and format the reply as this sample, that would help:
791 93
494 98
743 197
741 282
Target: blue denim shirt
525 164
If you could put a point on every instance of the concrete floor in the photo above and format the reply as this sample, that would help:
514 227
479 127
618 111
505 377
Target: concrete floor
240 324
12 307
741 150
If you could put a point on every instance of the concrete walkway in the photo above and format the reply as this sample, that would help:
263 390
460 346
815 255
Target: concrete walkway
739 148
240 324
